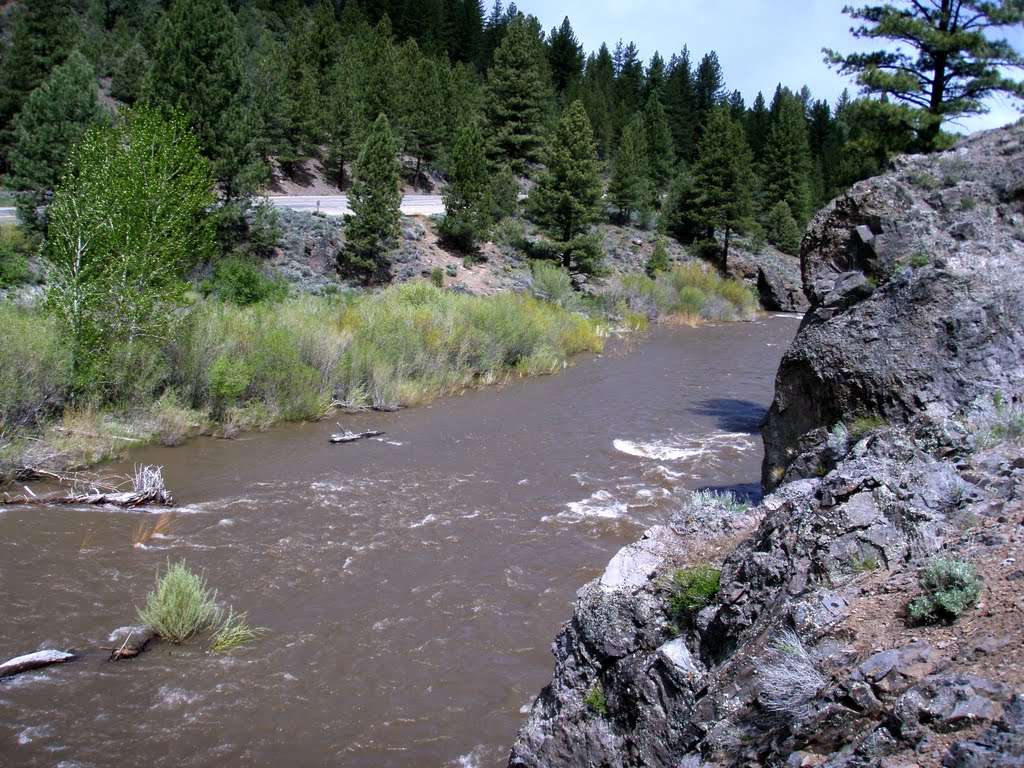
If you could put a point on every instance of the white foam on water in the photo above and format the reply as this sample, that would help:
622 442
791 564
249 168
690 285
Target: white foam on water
473 758
601 504
431 518
659 450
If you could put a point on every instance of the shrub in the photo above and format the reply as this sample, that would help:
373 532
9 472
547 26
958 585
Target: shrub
950 587
16 248
862 427
691 291
34 368
437 277
242 282
789 678
181 605
658 262
235 631
596 699
551 283
722 501
690 589
838 441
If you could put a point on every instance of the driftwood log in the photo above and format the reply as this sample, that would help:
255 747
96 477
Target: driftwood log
351 437
35 660
134 643
126 500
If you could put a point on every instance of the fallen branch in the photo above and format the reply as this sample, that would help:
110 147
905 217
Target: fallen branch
350 437
35 660
129 649
126 500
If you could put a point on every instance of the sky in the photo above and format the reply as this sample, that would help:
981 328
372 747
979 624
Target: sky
760 43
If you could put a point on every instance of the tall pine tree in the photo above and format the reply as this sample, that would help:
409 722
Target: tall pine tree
375 199
787 164
467 203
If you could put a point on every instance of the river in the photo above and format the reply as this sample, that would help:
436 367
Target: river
411 584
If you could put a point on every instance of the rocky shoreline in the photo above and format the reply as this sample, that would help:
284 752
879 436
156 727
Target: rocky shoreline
894 440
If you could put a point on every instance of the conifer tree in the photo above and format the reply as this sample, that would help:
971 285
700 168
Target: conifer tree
781 229
129 78
565 55
628 189
467 202
42 35
787 163
659 261
567 197
708 89
375 199
723 176
945 59
681 107
656 72
503 193
629 85
518 97
53 121
420 105
757 123
598 98
660 154
197 68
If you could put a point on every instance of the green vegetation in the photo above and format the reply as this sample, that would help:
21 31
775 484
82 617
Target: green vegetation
241 281
948 62
181 605
864 563
863 426
126 223
1002 424
789 678
688 293
234 632
249 366
950 586
595 699
659 261
16 248
690 589
722 501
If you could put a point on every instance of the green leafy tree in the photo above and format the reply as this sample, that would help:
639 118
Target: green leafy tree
628 189
723 176
781 229
375 199
566 200
518 96
467 199
126 223
943 62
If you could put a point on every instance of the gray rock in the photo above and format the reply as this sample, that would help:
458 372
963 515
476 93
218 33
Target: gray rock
1000 746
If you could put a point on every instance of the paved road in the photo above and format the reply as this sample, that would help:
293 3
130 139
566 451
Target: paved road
8 215
337 205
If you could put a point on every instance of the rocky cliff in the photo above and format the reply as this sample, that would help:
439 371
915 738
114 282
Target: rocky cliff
893 448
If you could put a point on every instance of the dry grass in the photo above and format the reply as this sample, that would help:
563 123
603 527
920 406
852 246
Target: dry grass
144 532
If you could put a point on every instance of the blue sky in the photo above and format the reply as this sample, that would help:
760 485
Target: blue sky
759 43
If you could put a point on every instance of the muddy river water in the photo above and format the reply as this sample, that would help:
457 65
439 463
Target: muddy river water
411 584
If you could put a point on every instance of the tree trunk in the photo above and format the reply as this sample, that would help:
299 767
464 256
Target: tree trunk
34 661
725 251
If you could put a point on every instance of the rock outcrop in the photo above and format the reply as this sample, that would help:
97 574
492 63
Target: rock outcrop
895 437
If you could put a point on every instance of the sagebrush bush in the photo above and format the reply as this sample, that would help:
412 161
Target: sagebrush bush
181 605
949 587
789 678
691 291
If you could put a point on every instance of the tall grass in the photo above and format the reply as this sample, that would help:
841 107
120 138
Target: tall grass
689 293
243 367
181 605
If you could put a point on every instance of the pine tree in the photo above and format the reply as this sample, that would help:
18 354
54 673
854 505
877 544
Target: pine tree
757 123
629 86
375 199
598 95
628 189
53 121
656 73
518 97
681 106
565 55
566 200
42 36
660 154
197 68
467 200
503 193
420 105
723 176
659 261
708 89
946 59
787 163
781 229
129 78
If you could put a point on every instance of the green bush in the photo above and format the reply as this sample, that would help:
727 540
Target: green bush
690 589
35 371
551 282
658 261
235 631
181 605
16 248
242 282
950 586
690 291
437 277
595 699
